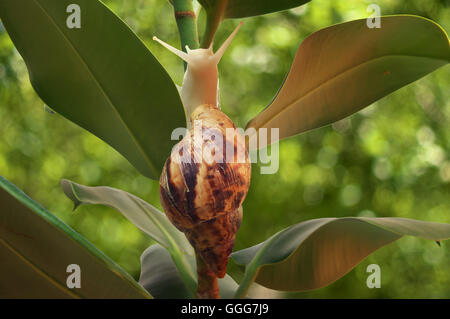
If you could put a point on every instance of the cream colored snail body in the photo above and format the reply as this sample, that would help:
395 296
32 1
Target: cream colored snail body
207 176
201 79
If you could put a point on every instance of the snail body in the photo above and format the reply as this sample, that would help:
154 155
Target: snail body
201 79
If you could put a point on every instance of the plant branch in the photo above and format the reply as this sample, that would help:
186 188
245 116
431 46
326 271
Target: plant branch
214 17
208 288
187 24
249 277
183 268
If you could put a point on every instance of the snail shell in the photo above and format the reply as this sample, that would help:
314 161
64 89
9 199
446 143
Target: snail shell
202 190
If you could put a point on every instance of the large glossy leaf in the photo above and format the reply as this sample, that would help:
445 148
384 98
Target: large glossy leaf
101 76
36 248
343 68
161 278
143 215
249 8
317 252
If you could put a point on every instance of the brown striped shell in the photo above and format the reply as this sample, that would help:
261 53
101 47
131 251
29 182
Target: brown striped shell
204 182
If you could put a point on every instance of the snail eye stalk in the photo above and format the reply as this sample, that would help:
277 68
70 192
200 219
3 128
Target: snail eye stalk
189 54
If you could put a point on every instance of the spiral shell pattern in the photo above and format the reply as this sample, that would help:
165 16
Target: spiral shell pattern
203 184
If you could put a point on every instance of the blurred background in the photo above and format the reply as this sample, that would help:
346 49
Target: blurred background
391 159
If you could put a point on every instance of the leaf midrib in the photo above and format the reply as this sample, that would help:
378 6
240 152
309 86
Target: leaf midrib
39 270
102 90
278 114
66 230
171 243
275 237
332 220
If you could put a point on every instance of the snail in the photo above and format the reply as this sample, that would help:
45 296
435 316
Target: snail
207 175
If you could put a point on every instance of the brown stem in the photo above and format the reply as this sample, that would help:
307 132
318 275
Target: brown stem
208 287
214 16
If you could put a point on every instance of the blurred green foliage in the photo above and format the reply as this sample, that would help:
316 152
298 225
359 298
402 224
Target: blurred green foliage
390 159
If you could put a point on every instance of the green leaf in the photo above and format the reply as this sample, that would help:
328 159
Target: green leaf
341 69
143 215
315 253
160 277
248 8
101 76
36 248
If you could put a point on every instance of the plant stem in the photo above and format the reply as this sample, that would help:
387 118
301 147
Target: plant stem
249 277
252 270
208 287
213 19
187 24
183 268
